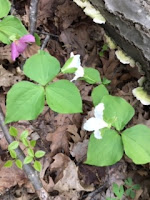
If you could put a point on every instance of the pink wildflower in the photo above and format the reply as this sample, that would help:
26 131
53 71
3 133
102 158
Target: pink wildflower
18 46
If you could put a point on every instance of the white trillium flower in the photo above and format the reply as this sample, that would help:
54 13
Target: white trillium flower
96 123
76 63
79 73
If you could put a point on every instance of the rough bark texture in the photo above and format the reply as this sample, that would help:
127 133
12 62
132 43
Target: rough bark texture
128 23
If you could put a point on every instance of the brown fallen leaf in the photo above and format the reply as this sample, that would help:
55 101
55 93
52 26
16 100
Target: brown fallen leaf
73 132
69 195
69 180
79 150
5 53
59 140
31 50
10 177
7 78
59 165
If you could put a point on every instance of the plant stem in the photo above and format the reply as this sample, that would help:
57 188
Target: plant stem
33 15
30 172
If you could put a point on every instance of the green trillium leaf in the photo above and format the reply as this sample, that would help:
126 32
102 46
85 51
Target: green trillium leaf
91 75
98 93
11 26
118 112
4 8
136 143
105 151
25 101
64 97
42 67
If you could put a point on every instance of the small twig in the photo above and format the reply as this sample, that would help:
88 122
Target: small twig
46 33
45 42
30 172
33 15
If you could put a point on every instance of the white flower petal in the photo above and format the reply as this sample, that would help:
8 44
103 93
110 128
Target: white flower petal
78 73
98 111
97 134
91 124
76 62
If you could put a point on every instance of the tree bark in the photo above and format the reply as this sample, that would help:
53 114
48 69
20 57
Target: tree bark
128 24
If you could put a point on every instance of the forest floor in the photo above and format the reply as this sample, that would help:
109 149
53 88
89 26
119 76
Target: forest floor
64 174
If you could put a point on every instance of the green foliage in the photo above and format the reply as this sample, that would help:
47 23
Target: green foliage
104 48
37 39
106 81
39 154
98 93
91 75
30 157
105 151
13 131
9 163
42 67
128 190
13 145
65 68
37 166
118 190
4 8
136 143
28 160
18 163
117 111
10 27
63 97
25 101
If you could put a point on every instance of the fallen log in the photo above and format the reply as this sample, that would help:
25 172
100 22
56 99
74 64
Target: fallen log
128 24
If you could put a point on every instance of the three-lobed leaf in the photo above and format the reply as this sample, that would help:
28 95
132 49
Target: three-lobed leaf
105 151
11 26
25 101
4 8
42 67
117 111
98 93
91 75
63 97
136 143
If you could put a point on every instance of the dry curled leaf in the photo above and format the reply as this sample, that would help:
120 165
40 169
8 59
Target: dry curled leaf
7 78
59 140
70 179
10 177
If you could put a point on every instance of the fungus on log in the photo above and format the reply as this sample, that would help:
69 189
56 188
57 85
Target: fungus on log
128 24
